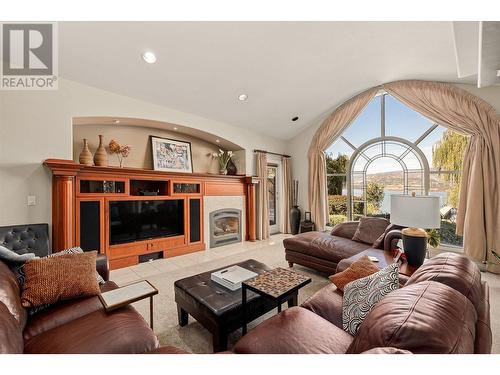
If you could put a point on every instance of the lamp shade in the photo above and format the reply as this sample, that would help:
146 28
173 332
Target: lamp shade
420 211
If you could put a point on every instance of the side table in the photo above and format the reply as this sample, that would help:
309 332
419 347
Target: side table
122 296
278 285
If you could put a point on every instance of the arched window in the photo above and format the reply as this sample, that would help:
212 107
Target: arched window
391 149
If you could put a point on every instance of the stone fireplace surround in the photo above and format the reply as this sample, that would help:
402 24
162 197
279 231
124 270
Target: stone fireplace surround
215 203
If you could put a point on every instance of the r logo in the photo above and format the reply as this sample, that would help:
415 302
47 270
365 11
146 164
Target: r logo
27 49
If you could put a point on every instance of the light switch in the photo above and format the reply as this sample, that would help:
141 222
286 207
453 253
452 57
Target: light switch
31 200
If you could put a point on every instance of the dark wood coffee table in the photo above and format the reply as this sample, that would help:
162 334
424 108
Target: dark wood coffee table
217 308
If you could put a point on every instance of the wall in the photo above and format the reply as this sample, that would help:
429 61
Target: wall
138 138
298 147
36 125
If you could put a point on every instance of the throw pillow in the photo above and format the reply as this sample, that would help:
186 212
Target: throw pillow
12 258
52 279
361 268
361 295
369 229
77 250
379 242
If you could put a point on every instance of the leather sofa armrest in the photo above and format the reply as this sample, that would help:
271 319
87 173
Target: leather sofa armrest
345 229
391 239
102 266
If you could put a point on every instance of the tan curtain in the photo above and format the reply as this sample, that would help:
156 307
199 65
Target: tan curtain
287 193
478 218
262 197
330 130
479 209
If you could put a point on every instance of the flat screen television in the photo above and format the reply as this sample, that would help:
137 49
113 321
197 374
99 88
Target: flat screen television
145 219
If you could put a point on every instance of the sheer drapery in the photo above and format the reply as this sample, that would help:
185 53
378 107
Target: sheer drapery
287 193
479 209
262 198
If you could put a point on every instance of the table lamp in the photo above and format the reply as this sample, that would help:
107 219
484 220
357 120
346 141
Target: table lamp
414 213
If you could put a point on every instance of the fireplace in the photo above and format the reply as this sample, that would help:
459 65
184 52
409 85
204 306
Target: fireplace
225 227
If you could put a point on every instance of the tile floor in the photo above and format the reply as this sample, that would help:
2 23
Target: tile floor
163 272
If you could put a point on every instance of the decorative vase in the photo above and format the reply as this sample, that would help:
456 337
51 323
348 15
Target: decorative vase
101 156
223 171
85 156
295 219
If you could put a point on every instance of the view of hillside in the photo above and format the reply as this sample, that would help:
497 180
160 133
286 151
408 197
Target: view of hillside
394 181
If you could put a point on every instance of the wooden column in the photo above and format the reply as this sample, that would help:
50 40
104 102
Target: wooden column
250 214
63 224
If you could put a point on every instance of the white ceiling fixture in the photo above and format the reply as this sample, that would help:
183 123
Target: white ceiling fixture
116 121
285 68
175 127
242 97
217 140
149 57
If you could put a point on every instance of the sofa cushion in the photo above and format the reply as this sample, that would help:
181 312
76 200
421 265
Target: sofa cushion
455 270
294 331
327 303
362 295
10 295
11 339
64 312
53 279
370 229
360 268
121 331
379 242
428 317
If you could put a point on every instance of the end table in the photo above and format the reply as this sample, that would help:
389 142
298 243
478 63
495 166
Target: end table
279 285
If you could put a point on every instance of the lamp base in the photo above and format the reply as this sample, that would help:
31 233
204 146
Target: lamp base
415 245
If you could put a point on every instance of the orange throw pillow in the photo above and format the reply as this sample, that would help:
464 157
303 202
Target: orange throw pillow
361 268
53 279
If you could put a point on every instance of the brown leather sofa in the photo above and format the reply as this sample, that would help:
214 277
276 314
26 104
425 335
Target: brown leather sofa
442 308
323 251
75 326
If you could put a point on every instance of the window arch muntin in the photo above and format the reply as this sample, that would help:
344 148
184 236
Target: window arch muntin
383 140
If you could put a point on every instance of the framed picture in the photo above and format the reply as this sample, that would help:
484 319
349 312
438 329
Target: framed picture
170 155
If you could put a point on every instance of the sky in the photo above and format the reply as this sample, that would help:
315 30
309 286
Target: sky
400 121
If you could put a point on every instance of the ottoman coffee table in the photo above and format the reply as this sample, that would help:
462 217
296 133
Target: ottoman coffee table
219 309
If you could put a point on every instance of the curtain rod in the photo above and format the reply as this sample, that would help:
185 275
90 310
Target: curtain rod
272 153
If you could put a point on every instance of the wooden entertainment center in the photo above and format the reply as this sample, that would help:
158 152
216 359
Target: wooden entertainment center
82 195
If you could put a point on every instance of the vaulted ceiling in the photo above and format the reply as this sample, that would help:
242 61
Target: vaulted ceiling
287 69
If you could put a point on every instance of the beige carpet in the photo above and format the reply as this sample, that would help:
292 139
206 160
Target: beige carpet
193 337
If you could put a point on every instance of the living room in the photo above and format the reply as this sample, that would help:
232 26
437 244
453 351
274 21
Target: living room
264 187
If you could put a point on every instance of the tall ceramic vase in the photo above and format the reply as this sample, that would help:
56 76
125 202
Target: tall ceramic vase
85 156
101 156
295 219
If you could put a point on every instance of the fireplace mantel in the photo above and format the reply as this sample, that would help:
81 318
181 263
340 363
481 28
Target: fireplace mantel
73 202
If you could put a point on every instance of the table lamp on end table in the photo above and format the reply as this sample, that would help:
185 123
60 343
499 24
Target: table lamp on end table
415 213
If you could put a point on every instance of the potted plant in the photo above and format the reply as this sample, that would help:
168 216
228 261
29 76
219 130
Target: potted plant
223 158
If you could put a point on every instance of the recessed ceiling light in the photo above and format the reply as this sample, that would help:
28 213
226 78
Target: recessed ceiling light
217 141
242 97
295 118
175 127
116 121
149 57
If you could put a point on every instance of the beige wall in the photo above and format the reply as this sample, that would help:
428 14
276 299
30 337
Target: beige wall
299 145
138 138
36 125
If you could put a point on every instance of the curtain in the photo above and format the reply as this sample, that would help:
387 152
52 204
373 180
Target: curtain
330 130
262 197
287 193
478 217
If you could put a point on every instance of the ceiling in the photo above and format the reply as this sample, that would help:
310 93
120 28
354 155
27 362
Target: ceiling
287 69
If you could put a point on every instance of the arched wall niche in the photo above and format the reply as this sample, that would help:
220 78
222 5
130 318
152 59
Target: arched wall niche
136 133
